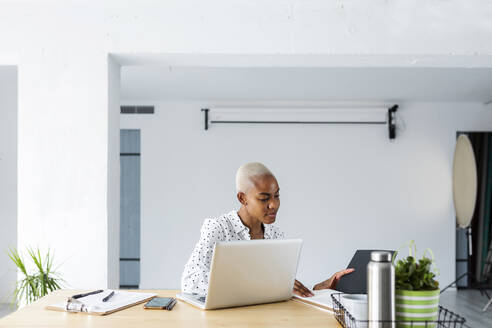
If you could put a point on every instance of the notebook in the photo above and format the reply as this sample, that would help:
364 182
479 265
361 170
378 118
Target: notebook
321 298
93 304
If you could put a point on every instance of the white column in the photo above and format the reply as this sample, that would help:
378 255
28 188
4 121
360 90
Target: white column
63 161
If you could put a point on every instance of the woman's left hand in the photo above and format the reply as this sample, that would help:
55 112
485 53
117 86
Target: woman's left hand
332 282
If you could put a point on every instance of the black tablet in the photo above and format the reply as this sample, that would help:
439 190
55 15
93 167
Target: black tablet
356 282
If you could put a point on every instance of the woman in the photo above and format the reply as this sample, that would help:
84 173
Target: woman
258 193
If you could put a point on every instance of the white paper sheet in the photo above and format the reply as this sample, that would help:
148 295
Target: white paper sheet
321 298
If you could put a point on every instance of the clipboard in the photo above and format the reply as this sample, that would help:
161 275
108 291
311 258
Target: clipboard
94 305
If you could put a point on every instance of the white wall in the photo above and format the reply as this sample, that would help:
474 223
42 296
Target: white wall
342 187
8 178
61 49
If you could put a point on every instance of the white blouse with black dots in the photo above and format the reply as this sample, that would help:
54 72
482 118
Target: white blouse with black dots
227 227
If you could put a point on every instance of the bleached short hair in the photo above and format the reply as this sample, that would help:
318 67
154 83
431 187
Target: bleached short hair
247 172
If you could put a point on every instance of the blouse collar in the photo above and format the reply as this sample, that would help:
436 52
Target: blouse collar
240 227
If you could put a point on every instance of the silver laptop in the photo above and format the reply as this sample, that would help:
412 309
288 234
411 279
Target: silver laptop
249 272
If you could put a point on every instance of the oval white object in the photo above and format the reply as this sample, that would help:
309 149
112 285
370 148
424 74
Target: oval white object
464 181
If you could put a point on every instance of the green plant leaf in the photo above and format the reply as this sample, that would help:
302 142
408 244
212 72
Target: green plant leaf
38 284
415 274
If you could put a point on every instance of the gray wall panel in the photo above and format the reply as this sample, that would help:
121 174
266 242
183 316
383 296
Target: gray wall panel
130 207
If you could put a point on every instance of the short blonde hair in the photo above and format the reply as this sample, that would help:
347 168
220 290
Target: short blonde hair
247 172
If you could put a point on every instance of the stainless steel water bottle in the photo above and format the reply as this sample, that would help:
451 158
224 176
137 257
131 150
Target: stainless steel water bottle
381 290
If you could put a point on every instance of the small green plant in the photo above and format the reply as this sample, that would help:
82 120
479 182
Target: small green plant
38 283
411 274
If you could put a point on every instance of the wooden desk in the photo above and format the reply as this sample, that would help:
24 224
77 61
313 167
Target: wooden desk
282 314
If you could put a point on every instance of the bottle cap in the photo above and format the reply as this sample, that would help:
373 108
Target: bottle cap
381 256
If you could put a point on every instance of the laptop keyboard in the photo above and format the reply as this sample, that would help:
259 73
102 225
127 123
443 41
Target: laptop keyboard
198 297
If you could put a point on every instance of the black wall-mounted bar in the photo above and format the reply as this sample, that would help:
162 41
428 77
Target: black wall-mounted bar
391 121
296 122
206 110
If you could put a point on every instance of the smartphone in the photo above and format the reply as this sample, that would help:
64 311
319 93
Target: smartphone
160 303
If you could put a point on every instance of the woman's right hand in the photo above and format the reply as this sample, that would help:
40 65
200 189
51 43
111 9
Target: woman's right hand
301 290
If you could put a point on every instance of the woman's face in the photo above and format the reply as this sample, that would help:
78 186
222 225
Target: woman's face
263 199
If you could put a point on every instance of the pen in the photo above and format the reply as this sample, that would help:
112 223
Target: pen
87 294
108 297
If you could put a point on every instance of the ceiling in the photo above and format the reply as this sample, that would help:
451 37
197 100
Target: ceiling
171 83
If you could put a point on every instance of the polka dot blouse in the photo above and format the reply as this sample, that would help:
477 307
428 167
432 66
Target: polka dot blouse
227 227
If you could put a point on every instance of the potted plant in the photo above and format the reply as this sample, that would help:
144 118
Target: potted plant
417 292
37 283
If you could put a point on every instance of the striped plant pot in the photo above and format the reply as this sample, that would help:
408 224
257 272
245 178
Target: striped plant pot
417 306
